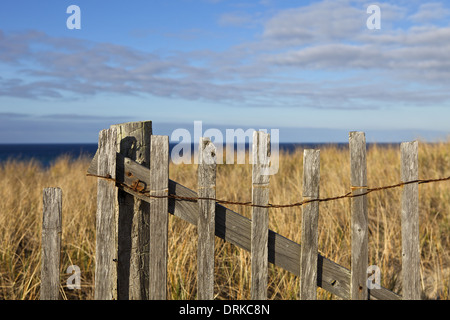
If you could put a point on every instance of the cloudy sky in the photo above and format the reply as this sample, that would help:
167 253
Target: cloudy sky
312 69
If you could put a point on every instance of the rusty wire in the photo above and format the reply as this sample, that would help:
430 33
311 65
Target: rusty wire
365 191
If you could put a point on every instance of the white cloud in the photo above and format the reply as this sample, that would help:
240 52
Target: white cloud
430 12
317 22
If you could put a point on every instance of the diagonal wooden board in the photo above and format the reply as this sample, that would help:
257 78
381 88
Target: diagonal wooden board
236 229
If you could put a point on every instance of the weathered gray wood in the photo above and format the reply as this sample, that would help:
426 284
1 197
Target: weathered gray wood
410 221
260 216
310 217
359 216
236 229
206 222
159 186
133 141
51 243
106 253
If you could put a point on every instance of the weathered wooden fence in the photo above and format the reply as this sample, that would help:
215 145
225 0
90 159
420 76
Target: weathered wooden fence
135 196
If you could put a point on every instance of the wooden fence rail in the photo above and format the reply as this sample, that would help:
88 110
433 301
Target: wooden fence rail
133 203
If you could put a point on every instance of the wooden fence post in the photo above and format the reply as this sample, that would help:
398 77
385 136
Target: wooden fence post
410 221
51 243
359 216
133 141
310 216
106 253
206 221
159 186
260 216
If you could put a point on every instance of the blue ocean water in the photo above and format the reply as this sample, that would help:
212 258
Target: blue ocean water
44 153
47 153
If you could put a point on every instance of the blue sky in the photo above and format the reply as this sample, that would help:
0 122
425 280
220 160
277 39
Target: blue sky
311 69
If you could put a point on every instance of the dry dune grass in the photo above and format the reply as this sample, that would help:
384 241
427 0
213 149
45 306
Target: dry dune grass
21 186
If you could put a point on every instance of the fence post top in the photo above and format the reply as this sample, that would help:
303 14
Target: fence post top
411 143
207 151
311 151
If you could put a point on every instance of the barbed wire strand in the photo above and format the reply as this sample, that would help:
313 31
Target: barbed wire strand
271 205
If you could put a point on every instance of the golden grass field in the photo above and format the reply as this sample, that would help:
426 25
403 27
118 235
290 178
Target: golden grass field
22 183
